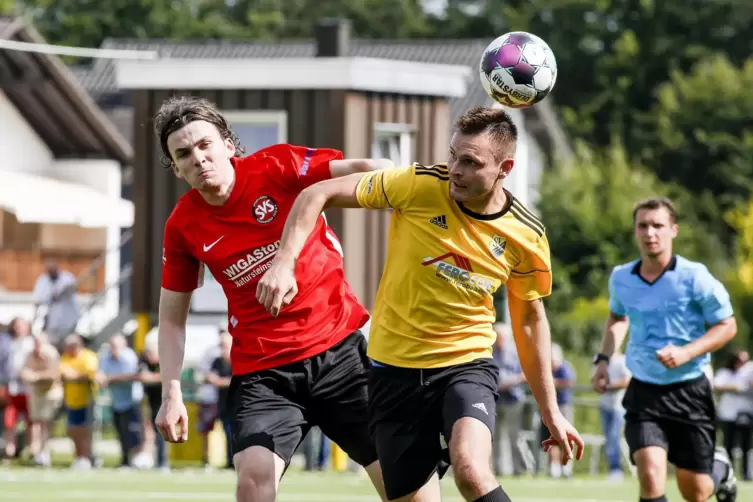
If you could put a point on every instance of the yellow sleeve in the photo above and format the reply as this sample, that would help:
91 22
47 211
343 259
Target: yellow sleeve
387 188
532 276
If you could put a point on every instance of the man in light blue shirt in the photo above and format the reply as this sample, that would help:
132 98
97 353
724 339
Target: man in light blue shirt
677 313
119 371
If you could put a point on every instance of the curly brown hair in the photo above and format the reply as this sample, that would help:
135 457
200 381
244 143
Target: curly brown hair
179 111
496 121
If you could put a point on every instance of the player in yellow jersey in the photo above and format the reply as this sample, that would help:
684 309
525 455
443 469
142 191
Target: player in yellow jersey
456 235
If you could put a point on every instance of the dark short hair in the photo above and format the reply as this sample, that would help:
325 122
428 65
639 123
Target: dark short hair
495 121
179 111
656 203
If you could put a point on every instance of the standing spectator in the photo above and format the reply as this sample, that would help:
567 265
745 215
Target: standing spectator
78 368
119 372
150 379
315 458
564 381
56 291
219 376
735 409
5 344
206 398
613 414
510 403
21 346
41 373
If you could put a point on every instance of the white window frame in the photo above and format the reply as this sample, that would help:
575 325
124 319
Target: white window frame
260 117
405 134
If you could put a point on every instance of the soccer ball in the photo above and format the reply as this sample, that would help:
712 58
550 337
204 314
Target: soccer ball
518 69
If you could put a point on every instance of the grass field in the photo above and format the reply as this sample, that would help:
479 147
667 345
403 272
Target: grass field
33 485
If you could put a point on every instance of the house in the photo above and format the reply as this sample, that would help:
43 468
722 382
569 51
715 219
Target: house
269 94
60 179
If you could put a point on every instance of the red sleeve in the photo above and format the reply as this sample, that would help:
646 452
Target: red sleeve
181 272
303 166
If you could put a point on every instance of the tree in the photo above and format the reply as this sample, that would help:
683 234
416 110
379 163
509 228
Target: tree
587 206
704 134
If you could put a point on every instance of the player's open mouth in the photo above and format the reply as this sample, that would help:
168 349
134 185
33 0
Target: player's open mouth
456 185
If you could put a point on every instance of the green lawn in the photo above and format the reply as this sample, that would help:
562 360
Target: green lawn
34 485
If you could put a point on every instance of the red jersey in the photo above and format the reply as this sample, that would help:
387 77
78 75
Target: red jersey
238 242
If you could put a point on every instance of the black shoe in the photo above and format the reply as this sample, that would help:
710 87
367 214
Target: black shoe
727 491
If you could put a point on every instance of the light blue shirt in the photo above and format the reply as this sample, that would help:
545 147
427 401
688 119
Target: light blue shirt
675 309
509 368
124 394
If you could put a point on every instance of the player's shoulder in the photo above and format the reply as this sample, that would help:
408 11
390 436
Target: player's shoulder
530 228
184 209
431 173
624 270
689 266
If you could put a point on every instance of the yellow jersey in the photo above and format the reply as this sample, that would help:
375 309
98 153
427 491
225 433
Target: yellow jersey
434 307
78 394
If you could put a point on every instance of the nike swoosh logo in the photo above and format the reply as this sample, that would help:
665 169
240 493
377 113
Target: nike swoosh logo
207 248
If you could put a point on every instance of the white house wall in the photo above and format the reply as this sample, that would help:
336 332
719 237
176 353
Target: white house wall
105 177
22 149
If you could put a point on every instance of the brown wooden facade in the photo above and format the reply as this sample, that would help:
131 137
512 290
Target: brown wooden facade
338 119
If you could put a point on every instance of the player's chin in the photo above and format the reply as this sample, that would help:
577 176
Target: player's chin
459 193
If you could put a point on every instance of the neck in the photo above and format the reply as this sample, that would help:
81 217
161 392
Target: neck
217 196
488 204
656 263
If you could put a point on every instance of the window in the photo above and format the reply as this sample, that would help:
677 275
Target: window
258 129
395 142
255 129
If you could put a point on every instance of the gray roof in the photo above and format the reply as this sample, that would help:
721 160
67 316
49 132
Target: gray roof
100 80
53 101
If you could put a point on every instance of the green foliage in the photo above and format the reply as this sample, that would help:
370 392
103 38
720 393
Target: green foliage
704 138
587 206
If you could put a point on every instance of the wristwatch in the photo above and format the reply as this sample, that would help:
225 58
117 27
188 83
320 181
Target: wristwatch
600 357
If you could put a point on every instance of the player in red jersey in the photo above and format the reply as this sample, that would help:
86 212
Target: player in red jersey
306 366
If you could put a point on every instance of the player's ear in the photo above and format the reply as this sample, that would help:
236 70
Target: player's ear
175 170
230 147
675 228
506 167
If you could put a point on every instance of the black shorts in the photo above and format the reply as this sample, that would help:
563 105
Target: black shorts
679 417
275 408
410 409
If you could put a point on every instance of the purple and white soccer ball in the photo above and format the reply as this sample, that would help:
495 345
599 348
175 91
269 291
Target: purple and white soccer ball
518 69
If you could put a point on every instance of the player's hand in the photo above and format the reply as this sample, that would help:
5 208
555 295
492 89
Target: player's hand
277 287
172 415
600 379
672 356
564 435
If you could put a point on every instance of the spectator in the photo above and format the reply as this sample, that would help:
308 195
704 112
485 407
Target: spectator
41 373
564 381
21 346
150 378
613 414
735 408
5 348
219 375
510 403
78 368
56 290
119 372
315 458
206 398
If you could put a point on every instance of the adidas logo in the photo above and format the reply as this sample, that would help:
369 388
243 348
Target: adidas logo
480 406
440 221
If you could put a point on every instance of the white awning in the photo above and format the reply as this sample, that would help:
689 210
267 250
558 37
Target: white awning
37 199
